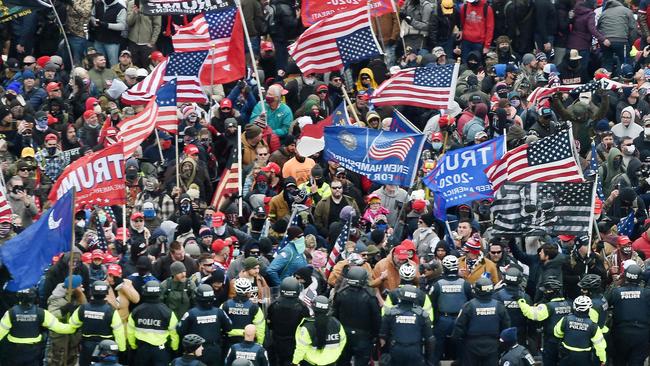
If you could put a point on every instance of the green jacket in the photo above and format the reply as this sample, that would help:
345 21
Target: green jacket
143 29
178 296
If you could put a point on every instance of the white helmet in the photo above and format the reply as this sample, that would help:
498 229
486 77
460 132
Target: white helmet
582 304
450 263
243 286
407 272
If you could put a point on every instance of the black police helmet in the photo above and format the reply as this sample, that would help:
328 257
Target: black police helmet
290 287
590 281
242 362
512 277
100 289
483 287
551 285
105 348
204 293
408 293
151 290
357 276
191 342
320 304
26 296
633 273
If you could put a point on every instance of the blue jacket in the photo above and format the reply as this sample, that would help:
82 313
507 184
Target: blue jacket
286 262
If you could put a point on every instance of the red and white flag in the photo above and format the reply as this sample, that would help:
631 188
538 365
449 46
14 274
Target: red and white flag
228 185
551 159
5 208
338 248
431 87
134 130
144 91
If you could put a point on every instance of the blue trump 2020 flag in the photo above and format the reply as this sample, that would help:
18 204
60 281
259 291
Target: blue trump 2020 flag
29 254
384 157
459 177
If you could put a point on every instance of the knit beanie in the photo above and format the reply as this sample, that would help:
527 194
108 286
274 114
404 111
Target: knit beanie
252 131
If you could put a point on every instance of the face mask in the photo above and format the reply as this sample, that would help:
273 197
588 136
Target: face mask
165 144
208 221
149 213
269 99
97 109
81 223
503 94
220 230
261 187
10 96
515 103
102 217
627 250
436 145
235 252
193 119
630 149
131 174
309 81
185 208
300 244
51 150
504 49
41 124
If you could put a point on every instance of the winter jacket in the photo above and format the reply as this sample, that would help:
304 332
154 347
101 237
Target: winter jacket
78 17
248 153
644 22
420 13
161 267
126 295
642 244
285 23
278 207
278 119
617 23
442 25
546 20
322 212
58 273
483 266
253 16
476 27
263 289
143 29
425 240
584 27
392 202
471 128
632 130
387 27
178 296
392 280
285 264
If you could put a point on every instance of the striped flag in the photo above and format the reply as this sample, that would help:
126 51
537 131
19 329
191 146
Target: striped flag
335 42
384 147
431 87
338 247
228 184
158 113
220 32
542 92
626 225
593 166
5 208
293 221
185 67
543 208
551 159
144 91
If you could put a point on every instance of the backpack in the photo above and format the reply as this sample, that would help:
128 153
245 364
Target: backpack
269 19
485 9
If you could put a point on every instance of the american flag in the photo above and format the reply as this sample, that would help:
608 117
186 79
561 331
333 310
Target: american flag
293 221
542 92
220 33
228 184
551 159
593 166
384 148
133 131
144 91
334 42
337 249
430 87
185 67
626 225
5 208
591 86
543 208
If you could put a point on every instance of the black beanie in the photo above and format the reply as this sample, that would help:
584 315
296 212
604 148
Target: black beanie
294 232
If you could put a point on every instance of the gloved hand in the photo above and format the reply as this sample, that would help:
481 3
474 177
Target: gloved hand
67 309
102 25
402 16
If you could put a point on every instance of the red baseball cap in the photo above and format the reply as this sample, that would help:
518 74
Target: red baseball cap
109 258
218 219
436 136
275 168
88 113
623 239
137 215
86 257
566 237
157 56
114 270
52 86
225 103
418 205
42 61
120 235
401 253
218 245
191 149
51 136
97 254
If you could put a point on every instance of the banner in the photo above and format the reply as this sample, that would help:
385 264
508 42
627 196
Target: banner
384 157
182 7
459 177
98 178
315 10
10 12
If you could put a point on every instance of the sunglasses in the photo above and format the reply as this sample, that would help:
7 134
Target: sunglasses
263 154
138 220
56 90
499 252
226 109
339 187
322 92
25 169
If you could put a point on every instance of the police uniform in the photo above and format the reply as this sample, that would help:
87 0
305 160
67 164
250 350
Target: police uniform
578 334
97 322
210 323
549 313
517 356
249 351
478 325
242 311
422 301
150 326
405 329
284 317
508 296
334 344
23 326
630 321
448 295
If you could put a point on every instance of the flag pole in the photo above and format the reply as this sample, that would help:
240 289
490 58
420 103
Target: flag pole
347 98
211 79
178 177
65 38
162 159
240 191
68 295
399 25
252 56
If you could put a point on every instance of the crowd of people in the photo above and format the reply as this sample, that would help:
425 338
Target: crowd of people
187 283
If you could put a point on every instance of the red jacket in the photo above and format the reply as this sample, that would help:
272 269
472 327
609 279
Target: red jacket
642 244
475 27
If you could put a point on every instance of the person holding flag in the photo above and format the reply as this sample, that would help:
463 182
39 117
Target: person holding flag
290 258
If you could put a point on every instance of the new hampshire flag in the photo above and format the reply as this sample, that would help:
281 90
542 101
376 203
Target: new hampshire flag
29 254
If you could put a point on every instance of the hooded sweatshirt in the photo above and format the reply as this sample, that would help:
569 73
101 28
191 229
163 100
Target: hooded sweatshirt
632 130
476 27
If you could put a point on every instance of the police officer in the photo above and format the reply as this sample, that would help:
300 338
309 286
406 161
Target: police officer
407 273
357 308
515 354
479 324
98 321
242 311
406 328
150 326
590 285
284 316
192 351
630 305
23 326
320 339
248 349
509 295
578 334
448 296
105 353
549 312
209 322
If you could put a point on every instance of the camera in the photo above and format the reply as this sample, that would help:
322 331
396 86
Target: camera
643 172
